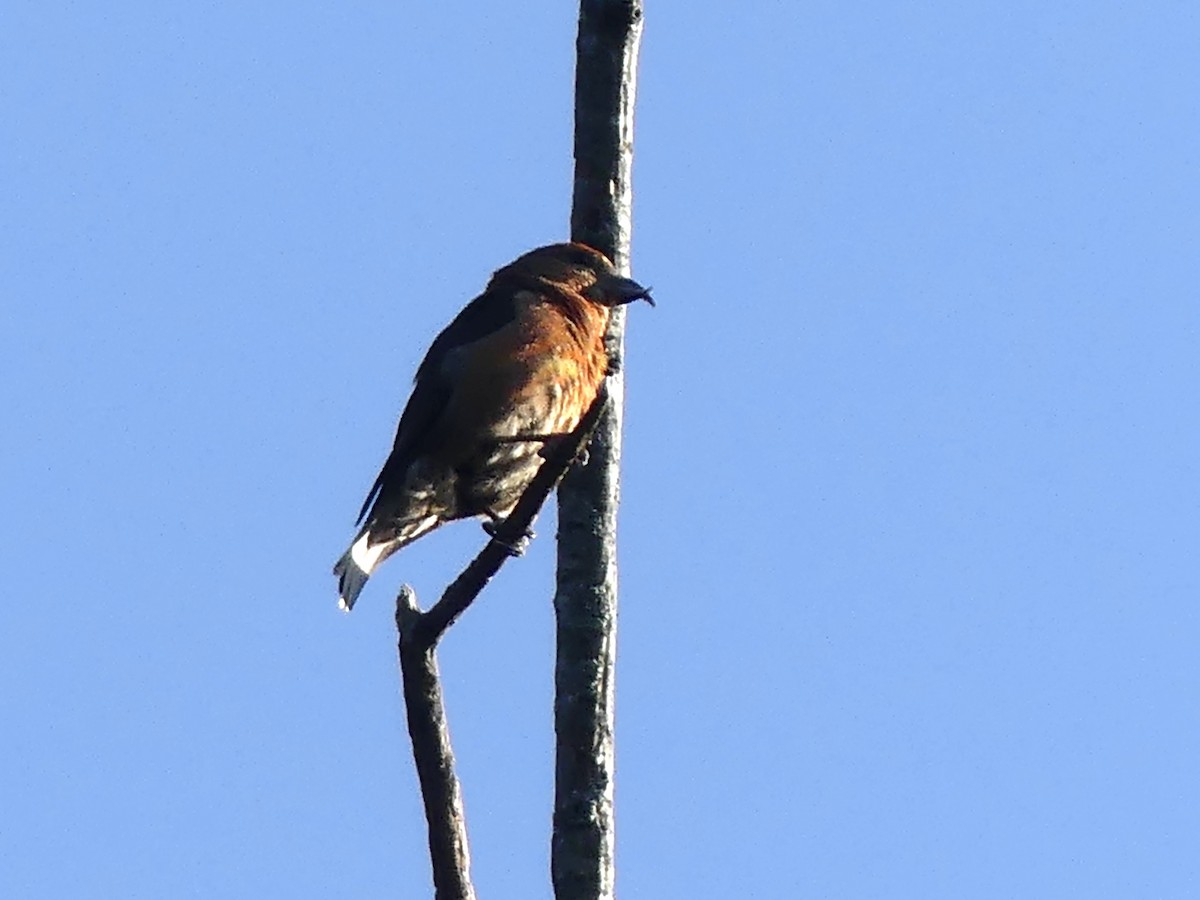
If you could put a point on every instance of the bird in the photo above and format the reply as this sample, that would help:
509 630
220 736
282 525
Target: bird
520 364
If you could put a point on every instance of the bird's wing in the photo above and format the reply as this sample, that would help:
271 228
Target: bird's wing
487 314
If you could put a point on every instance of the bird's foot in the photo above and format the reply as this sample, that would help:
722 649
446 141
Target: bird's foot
514 548
551 445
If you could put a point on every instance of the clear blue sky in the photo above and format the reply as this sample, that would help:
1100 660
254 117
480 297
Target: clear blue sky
911 507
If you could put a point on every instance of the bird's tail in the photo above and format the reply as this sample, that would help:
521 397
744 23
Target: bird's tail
369 549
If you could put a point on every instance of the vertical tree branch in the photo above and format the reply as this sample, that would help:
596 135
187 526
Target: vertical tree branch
585 600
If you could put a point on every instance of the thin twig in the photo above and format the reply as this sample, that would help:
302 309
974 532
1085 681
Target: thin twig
419 635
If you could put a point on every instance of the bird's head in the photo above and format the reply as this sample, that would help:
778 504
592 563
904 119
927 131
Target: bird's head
583 270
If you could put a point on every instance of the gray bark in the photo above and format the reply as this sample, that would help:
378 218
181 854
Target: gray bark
585 601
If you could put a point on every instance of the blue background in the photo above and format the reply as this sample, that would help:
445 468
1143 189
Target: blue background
910 519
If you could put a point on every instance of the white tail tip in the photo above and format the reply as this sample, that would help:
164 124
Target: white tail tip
354 568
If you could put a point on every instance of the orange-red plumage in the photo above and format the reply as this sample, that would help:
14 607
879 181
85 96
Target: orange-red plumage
523 359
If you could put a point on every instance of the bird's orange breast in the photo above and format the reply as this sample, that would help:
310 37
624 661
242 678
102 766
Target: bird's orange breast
537 375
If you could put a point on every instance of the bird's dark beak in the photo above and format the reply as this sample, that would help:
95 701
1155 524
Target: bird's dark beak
616 290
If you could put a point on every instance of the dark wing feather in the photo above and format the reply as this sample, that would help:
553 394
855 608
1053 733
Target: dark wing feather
483 316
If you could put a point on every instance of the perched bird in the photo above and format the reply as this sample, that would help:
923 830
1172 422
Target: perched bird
522 362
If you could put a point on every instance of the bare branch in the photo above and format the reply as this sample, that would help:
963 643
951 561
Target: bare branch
585 601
